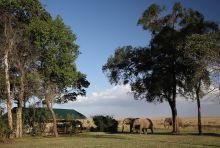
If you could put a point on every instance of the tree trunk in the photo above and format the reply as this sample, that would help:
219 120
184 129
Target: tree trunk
9 35
20 99
199 109
173 104
9 99
174 116
19 121
199 117
53 116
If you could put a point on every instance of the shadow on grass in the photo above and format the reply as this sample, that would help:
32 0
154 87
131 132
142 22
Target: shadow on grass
205 134
185 134
101 136
118 134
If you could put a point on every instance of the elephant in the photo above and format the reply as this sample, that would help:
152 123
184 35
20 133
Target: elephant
128 121
142 124
169 122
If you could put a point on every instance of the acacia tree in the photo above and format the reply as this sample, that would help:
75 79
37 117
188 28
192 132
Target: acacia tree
157 73
201 46
61 82
153 73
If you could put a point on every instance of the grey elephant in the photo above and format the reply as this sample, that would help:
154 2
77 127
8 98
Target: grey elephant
142 124
128 121
169 122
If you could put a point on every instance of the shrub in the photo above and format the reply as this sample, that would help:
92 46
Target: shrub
5 132
105 123
77 127
35 119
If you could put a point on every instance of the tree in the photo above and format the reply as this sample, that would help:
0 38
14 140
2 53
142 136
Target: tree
8 35
46 48
158 72
201 46
154 72
105 123
61 82
16 46
36 118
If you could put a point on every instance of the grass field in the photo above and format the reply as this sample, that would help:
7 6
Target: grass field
160 139
104 140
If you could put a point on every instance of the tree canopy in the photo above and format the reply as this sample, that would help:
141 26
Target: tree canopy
161 70
39 55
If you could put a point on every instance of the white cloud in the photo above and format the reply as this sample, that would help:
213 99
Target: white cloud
117 92
119 102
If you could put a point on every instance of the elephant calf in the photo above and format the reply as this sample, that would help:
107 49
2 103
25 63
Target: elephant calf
142 124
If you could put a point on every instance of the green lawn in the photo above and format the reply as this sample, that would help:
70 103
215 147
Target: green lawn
93 140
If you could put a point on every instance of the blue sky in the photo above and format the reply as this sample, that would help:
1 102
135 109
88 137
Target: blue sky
103 25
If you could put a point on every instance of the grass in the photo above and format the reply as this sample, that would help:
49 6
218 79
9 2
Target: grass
126 140
162 138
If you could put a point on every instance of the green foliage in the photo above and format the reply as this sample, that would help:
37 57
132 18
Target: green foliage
173 63
36 118
204 47
154 73
59 52
149 19
105 123
23 10
5 132
76 127
42 54
3 125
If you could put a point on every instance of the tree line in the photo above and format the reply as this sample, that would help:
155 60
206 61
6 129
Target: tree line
182 58
37 59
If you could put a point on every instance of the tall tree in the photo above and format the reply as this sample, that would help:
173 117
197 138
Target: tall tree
8 35
15 18
23 58
61 82
154 73
201 46
158 72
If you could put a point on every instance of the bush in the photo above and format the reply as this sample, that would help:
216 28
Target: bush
105 123
5 132
76 127
35 119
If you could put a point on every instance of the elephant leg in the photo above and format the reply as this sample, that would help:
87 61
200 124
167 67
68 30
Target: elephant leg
145 130
141 129
137 128
134 129
152 130
122 128
131 128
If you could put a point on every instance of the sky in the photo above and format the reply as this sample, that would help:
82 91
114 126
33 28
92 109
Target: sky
102 26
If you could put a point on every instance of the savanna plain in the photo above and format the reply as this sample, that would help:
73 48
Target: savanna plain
161 138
